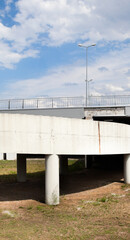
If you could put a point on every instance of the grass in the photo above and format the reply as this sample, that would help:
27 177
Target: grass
8 170
107 199
35 169
75 165
125 186
103 218
45 222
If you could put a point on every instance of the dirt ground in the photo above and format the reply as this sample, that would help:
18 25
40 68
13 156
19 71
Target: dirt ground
85 184
94 205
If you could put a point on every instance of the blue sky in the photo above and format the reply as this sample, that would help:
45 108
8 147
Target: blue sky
39 53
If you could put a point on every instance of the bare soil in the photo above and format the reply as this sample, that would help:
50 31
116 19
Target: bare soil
84 184
94 205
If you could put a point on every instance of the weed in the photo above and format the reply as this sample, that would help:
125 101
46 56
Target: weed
108 199
40 208
96 203
29 208
110 231
103 199
8 213
124 186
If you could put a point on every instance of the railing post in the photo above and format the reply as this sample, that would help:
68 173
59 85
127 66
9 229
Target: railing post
67 103
23 104
37 103
89 101
9 104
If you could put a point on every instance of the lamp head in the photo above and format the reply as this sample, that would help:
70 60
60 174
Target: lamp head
80 45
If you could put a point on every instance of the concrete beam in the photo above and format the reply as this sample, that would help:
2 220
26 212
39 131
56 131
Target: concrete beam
52 179
21 168
127 168
62 136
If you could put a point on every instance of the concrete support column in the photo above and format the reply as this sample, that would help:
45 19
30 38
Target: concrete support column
21 168
85 161
63 165
11 156
88 161
1 156
52 179
127 168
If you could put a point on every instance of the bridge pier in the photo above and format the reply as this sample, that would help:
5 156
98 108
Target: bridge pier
21 168
63 165
52 179
88 161
85 161
1 156
127 168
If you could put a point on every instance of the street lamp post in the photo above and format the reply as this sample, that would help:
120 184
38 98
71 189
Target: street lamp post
89 81
86 80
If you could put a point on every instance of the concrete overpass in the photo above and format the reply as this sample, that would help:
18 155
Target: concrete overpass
119 114
56 138
110 108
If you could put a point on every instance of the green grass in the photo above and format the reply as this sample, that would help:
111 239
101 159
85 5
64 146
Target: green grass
8 170
125 186
75 165
107 199
35 169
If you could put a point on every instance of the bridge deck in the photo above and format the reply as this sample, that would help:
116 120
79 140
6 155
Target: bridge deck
49 135
57 138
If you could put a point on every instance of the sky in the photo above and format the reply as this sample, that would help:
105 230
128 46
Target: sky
39 52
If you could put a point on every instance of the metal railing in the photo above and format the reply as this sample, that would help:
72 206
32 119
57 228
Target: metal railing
109 100
65 102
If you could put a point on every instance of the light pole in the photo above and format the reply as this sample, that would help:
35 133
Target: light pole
81 45
89 81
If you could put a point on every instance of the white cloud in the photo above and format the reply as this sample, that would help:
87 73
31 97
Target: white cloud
115 80
55 83
7 5
70 80
66 21
8 57
113 88
54 22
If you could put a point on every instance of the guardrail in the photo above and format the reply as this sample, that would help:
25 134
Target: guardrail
37 103
65 102
109 100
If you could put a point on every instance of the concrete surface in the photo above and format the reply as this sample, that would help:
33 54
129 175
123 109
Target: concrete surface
55 136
